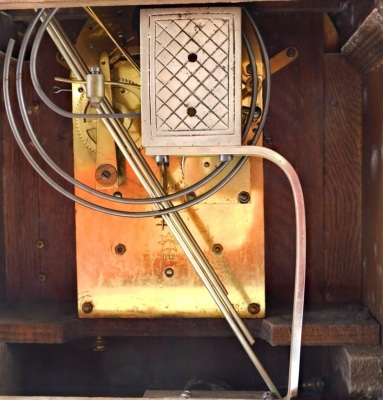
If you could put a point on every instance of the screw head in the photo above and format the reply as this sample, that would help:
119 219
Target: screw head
42 277
106 175
87 307
217 248
169 272
100 344
334 102
257 113
254 308
35 107
244 197
40 244
120 249
191 196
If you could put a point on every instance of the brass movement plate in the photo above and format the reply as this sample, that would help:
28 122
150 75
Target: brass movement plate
134 267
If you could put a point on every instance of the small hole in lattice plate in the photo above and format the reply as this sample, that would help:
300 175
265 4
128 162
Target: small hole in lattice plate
191 111
192 57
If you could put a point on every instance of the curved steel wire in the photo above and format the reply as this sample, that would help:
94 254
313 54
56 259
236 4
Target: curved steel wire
73 181
183 192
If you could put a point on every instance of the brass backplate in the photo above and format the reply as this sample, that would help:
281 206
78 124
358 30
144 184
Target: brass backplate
134 267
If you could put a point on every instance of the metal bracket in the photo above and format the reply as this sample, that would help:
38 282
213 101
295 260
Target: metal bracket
283 58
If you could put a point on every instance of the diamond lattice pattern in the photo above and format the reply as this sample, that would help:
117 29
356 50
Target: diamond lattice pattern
181 84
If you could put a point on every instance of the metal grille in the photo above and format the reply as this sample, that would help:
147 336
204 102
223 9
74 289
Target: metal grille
191 77
192 63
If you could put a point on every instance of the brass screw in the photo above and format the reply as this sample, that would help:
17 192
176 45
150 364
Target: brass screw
191 196
217 248
120 249
42 277
87 307
40 244
169 272
35 107
334 102
244 197
100 344
254 308
106 175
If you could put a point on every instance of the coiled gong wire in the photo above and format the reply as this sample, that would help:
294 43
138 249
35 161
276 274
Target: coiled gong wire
73 181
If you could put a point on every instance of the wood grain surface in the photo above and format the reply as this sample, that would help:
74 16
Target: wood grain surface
342 183
39 222
295 126
21 209
3 275
352 16
56 224
58 323
372 254
363 49
276 5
